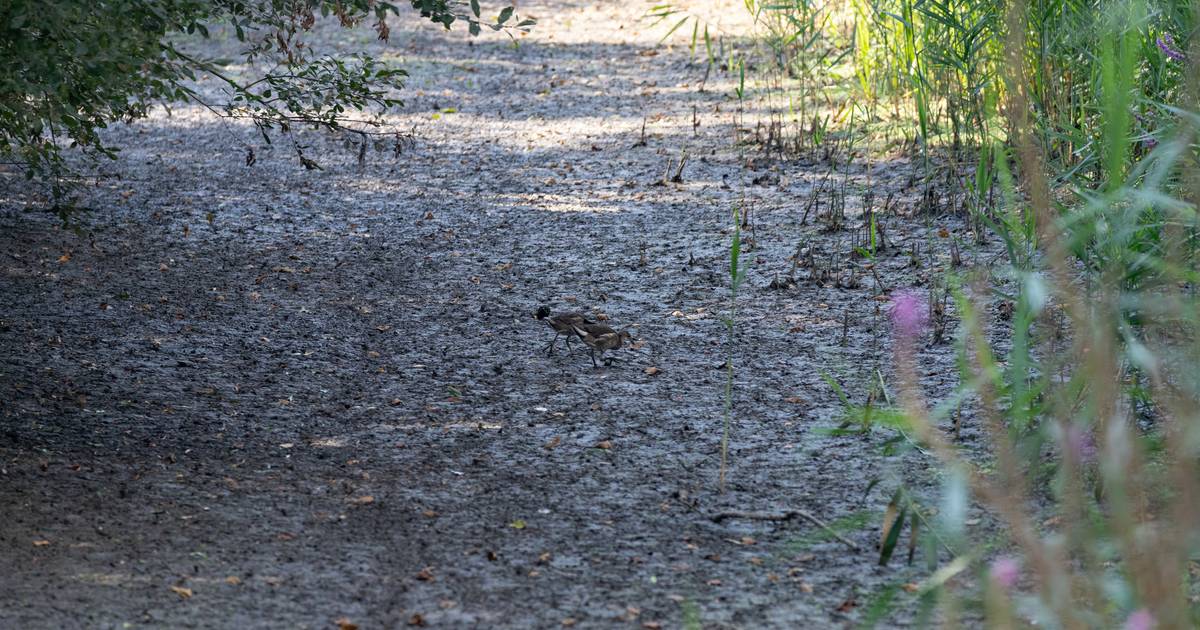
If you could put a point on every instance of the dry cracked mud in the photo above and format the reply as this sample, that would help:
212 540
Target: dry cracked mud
261 396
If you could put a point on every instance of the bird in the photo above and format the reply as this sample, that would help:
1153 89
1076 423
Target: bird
601 337
563 324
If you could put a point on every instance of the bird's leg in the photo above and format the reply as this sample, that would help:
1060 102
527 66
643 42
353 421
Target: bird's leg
550 346
593 353
568 343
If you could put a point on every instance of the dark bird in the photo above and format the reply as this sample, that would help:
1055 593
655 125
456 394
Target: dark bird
563 324
601 337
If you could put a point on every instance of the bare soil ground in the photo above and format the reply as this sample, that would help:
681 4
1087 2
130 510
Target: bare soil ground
270 397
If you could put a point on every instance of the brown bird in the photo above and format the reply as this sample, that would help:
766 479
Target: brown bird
601 337
563 324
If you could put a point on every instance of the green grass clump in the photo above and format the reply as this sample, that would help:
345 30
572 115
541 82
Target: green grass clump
1068 129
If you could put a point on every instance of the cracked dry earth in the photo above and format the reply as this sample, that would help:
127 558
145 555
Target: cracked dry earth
268 397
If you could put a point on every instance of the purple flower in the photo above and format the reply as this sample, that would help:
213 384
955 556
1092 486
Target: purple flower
1166 43
909 314
1005 571
1081 444
1140 619
1149 144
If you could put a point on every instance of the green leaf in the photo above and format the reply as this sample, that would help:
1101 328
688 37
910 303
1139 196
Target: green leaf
475 7
893 533
735 250
674 28
505 13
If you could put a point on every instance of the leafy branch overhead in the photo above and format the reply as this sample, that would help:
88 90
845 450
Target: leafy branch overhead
73 68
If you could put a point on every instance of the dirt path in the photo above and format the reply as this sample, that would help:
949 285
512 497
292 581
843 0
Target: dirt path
267 397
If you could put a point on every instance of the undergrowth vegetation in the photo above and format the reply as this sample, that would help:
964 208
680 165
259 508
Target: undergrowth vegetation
1067 129
74 68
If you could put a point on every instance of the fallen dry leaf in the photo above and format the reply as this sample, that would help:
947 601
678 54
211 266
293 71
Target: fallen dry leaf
41 543
345 624
363 500
426 574
890 516
517 524
652 371
416 620
233 580
554 441
604 444
182 591
568 622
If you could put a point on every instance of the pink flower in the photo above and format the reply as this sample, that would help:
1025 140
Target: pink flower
1081 443
1140 619
1005 571
909 314
1166 43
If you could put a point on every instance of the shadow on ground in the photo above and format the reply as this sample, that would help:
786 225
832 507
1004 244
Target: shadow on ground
276 398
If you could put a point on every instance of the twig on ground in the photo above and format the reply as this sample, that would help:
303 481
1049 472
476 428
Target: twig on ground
785 516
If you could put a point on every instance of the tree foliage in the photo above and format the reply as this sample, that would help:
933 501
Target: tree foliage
73 67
